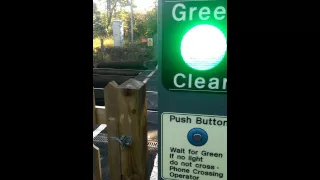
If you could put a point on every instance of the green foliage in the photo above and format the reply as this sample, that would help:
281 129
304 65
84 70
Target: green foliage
151 22
99 23
145 26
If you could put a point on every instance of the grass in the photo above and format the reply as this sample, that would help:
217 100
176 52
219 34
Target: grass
107 43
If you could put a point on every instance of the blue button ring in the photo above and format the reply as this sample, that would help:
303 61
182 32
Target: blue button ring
197 137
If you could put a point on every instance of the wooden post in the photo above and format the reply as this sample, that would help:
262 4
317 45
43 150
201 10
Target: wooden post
94 111
126 116
110 95
96 164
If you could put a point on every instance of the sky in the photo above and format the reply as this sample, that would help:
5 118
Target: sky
141 4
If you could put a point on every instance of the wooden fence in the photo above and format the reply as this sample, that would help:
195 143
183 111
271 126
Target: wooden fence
125 116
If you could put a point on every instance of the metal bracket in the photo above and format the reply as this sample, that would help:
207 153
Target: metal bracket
125 141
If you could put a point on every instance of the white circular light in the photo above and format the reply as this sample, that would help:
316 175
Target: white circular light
203 47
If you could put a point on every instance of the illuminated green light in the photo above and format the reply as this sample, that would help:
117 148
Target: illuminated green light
203 47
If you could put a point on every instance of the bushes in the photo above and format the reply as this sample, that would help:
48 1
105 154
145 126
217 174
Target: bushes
129 53
138 52
124 54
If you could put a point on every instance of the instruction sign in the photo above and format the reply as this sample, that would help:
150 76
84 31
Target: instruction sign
193 146
150 42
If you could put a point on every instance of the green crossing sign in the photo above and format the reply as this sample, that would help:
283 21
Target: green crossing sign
192 89
194 45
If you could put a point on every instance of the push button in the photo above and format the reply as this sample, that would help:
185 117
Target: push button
197 137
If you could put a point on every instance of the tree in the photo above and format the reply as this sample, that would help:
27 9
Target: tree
112 8
145 24
151 21
102 21
99 24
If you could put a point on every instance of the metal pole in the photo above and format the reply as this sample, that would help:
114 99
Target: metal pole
131 22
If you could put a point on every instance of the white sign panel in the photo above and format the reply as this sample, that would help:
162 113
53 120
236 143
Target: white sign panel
193 146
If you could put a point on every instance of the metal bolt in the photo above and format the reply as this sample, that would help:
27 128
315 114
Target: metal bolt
197 137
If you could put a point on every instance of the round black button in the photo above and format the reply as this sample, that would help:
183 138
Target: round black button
197 137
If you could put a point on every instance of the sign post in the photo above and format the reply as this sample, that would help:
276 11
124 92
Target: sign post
192 89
